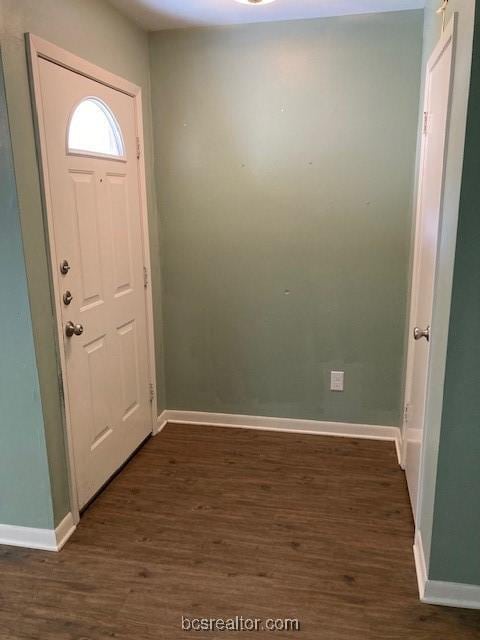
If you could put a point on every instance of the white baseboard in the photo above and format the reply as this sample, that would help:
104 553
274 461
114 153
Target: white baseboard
420 566
64 530
162 422
46 539
399 448
447 594
313 427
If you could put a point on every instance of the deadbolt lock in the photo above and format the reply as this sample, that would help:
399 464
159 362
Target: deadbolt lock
67 298
64 267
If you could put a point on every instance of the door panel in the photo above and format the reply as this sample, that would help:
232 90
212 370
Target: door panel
88 245
95 202
120 230
127 338
98 370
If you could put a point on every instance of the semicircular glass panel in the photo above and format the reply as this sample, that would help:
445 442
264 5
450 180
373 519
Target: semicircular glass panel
94 130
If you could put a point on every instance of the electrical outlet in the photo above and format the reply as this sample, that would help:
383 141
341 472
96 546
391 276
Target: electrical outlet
337 379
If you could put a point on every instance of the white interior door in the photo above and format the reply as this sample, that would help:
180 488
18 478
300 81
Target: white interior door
431 179
94 190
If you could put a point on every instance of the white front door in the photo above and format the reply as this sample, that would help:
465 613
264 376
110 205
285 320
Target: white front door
431 179
94 191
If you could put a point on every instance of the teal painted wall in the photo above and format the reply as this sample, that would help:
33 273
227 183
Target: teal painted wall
95 31
284 167
25 498
455 551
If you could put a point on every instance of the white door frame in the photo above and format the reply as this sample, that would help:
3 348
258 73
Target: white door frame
447 37
37 49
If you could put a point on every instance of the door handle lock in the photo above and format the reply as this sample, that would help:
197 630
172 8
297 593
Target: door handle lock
418 333
72 329
67 298
64 267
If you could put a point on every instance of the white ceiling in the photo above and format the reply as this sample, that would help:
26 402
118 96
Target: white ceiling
154 15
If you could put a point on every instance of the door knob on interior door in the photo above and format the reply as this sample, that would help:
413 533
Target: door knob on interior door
72 329
418 333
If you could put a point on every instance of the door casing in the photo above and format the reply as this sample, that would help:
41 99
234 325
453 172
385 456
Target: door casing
37 48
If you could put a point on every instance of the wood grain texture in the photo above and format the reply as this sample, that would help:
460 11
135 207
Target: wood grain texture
222 522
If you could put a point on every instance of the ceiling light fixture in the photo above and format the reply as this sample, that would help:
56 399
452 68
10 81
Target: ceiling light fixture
255 2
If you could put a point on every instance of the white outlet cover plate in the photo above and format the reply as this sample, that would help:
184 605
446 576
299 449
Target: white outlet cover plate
337 380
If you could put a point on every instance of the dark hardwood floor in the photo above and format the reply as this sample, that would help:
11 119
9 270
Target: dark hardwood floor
212 522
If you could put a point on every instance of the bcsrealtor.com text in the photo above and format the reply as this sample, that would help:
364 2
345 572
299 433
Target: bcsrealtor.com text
240 623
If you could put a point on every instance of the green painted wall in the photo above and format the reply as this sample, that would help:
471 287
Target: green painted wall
465 10
455 554
25 498
284 167
97 32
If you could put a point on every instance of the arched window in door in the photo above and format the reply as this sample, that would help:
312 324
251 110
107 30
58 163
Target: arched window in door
94 130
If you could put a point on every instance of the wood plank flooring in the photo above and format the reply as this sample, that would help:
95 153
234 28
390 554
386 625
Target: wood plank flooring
212 522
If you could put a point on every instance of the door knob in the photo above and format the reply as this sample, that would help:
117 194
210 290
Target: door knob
72 329
418 333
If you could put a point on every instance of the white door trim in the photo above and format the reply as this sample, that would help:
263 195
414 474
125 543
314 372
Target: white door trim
446 38
38 48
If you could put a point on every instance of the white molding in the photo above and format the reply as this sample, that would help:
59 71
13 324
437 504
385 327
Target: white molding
438 592
420 566
64 530
142 177
48 51
162 421
399 448
313 427
452 594
45 539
